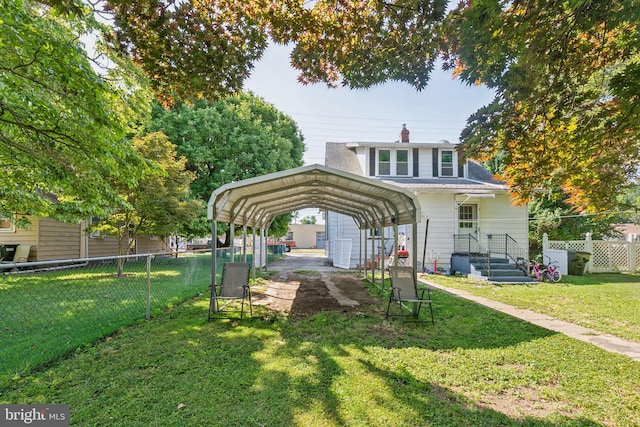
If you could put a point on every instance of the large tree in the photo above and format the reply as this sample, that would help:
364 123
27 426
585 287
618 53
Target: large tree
565 72
566 112
63 118
236 138
159 203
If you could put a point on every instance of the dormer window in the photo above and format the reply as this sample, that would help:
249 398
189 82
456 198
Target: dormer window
384 162
402 162
393 162
446 163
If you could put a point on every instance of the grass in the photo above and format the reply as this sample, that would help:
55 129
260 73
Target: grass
474 367
46 315
609 303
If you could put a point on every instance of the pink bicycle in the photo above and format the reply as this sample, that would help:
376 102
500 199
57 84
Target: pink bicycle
548 273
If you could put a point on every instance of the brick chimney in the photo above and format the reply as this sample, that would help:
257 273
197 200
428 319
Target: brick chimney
404 134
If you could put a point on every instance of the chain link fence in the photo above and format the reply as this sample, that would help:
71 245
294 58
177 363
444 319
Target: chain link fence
48 309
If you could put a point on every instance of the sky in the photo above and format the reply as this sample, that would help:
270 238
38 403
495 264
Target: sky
366 115
373 115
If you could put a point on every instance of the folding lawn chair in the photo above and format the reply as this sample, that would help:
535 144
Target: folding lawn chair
234 286
404 289
22 253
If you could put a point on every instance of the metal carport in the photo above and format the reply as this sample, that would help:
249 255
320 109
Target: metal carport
254 202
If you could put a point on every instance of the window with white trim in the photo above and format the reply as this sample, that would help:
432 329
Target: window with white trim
96 233
7 226
446 163
402 162
392 162
384 162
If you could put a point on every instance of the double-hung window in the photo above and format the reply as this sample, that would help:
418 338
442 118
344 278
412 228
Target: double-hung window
393 162
446 163
384 162
402 162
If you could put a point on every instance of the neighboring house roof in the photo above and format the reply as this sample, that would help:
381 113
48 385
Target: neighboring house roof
339 155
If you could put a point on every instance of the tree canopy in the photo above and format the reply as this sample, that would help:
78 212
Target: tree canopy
565 72
566 80
236 138
62 123
159 203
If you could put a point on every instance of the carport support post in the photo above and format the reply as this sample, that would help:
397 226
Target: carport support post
214 260
414 250
266 232
373 255
360 250
382 257
253 253
232 233
244 243
364 243
264 249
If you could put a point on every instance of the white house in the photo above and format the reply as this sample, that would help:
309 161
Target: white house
465 210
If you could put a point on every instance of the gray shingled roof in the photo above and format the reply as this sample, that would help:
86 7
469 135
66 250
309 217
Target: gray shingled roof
339 156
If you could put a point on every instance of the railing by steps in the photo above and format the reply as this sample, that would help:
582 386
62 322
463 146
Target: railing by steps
507 245
468 244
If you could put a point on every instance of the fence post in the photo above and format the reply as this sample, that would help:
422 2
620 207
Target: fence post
148 316
588 247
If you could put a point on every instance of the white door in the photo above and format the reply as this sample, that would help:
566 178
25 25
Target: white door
468 219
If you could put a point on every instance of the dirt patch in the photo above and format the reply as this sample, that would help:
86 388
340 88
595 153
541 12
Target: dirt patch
525 402
306 293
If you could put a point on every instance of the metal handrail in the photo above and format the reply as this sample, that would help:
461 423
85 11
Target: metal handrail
507 245
472 247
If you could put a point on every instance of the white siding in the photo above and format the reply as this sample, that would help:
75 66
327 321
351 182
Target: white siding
362 154
495 216
425 165
499 216
440 209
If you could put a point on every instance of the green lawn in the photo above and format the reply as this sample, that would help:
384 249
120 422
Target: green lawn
609 303
474 367
47 314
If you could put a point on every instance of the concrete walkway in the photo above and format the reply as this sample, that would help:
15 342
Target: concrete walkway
314 260
605 341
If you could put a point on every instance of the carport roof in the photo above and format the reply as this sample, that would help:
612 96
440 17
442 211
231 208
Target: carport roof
254 202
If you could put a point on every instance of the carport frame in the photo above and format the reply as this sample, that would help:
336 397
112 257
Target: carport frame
255 202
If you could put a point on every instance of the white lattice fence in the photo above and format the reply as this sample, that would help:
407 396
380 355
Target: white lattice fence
569 245
606 256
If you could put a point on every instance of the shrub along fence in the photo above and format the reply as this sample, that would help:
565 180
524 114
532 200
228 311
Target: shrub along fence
48 309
